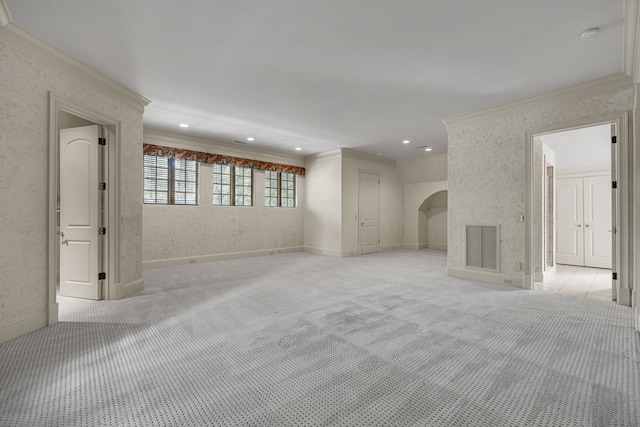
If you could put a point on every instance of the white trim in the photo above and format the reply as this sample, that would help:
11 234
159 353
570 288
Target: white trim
359 155
30 44
441 246
611 84
625 187
218 147
21 327
579 173
414 246
631 39
386 248
123 290
624 296
112 255
319 251
480 276
333 154
171 262
5 16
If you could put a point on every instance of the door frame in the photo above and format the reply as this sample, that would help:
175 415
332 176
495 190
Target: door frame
111 252
621 248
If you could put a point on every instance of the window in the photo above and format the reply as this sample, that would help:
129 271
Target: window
170 181
232 185
280 189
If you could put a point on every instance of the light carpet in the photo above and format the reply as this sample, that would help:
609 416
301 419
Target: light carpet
305 340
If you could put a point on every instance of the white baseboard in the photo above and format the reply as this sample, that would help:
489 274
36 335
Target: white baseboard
482 276
125 289
624 296
637 319
391 247
21 327
413 246
160 263
538 276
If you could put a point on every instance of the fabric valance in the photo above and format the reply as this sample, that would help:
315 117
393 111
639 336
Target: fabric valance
181 153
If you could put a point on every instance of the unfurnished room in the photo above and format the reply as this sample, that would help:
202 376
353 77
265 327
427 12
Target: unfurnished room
319 213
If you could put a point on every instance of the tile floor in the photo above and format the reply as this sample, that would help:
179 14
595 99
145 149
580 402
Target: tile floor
586 282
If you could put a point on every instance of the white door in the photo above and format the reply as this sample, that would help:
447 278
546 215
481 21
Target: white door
583 221
79 212
368 211
597 221
569 211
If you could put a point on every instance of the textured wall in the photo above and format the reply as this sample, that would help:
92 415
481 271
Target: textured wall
487 174
172 232
25 82
391 201
426 168
322 215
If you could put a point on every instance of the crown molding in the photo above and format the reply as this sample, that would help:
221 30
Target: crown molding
215 147
21 39
359 155
631 39
602 86
5 16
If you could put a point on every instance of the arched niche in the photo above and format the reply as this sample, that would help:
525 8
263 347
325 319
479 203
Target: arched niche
417 196
432 221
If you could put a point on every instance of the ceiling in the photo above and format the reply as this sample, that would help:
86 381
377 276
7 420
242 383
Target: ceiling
324 74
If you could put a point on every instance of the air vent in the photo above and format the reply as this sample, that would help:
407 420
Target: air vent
482 247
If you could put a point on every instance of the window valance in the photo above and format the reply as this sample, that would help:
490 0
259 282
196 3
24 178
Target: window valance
181 153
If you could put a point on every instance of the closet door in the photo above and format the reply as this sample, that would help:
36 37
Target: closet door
597 221
569 220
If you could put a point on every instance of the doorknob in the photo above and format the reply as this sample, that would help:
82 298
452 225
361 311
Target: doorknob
579 225
587 225
362 224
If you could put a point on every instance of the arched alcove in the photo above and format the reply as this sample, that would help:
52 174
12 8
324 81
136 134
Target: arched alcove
432 221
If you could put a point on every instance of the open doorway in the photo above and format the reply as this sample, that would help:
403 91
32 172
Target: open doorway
575 213
65 114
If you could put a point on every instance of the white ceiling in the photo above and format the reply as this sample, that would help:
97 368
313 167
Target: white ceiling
323 74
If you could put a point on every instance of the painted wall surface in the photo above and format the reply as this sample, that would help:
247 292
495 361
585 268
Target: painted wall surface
487 173
323 207
426 168
175 232
391 201
415 195
25 83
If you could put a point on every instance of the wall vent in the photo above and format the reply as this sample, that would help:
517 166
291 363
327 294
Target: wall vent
482 244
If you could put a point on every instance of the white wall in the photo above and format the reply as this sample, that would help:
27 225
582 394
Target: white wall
182 234
434 213
391 200
423 168
323 208
487 171
29 71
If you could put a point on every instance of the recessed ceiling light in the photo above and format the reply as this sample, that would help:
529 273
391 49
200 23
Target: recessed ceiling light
428 149
184 125
251 139
590 33
406 141
298 149
379 154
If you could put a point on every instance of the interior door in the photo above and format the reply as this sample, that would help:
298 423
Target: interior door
569 220
368 211
79 212
597 221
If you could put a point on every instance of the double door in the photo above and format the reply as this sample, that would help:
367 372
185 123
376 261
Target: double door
583 221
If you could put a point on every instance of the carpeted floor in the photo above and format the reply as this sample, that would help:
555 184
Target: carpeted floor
305 340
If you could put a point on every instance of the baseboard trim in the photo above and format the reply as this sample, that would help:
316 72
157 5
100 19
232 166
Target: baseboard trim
125 289
412 246
22 327
160 263
440 246
391 247
498 279
637 319
538 276
624 296
319 251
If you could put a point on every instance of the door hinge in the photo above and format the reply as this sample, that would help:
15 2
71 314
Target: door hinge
615 276
102 141
614 139
103 186
102 230
102 276
614 184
